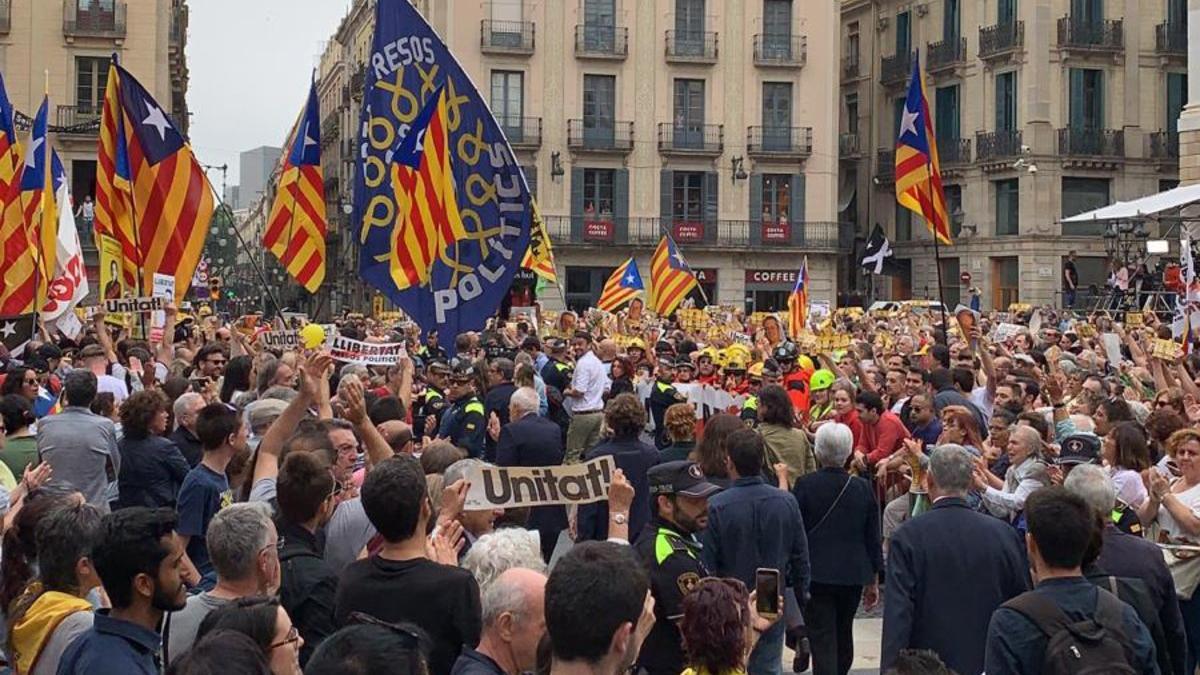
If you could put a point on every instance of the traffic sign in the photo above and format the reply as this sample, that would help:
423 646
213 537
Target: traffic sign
965 277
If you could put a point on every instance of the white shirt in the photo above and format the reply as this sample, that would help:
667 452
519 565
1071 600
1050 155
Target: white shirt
590 380
108 383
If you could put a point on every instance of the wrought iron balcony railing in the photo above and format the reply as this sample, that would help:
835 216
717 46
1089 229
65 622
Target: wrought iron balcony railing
85 18
1087 142
952 151
586 229
1001 39
1164 145
599 135
848 145
601 42
507 37
692 46
994 145
945 54
79 119
895 69
692 139
780 50
1106 35
523 132
767 141
1171 38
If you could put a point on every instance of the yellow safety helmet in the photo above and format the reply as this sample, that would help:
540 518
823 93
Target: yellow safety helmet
734 361
755 370
804 362
821 380
637 343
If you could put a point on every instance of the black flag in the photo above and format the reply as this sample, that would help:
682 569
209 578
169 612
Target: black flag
15 331
878 250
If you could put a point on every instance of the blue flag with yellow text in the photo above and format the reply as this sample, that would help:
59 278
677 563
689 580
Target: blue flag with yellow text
441 208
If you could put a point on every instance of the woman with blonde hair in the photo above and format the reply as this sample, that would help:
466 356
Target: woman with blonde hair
680 421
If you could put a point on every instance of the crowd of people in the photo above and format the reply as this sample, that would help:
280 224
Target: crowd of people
1018 501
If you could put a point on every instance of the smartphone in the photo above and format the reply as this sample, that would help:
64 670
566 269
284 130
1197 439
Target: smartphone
766 586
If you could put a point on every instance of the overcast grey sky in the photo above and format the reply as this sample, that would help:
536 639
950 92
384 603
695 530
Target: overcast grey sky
250 62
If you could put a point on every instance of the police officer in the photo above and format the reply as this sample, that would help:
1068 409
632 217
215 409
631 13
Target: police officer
670 550
431 349
662 396
431 404
463 423
558 371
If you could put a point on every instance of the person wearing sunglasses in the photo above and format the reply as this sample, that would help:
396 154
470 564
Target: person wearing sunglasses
265 621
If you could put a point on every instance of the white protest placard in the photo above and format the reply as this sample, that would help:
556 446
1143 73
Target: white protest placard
1112 347
367 353
69 324
1006 331
133 305
164 287
280 339
501 487
709 400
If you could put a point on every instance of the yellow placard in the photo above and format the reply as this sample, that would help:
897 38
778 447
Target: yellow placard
1133 319
1167 350
831 342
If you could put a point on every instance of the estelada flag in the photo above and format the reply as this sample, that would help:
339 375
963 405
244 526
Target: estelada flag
151 194
918 171
297 225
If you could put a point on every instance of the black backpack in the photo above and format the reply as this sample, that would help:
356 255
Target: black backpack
1097 644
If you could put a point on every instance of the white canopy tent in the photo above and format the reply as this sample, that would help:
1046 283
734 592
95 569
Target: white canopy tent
1142 208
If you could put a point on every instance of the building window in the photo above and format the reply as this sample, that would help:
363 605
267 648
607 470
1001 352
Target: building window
950 21
852 113
777 115
903 33
689 113
1007 203
903 223
777 28
91 77
508 98
1176 98
1006 275
954 208
1006 11
951 286
1006 101
598 194
1080 195
946 115
852 44
689 27
688 196
776 198
1087 98
599 19
599 107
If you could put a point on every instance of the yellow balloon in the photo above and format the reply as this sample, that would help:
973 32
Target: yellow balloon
312 336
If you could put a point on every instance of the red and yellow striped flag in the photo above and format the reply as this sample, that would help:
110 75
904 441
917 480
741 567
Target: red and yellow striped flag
670 277
151 194
297 225
918 172
427 213
16 246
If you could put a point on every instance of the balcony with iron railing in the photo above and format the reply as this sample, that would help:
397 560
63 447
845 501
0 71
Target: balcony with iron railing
600 136
997 145
954 151
522 132
357 79
1171 38
1088 142
1164 145
946 54
507 37
885 166
850 66
179 16
5 16
691 139
782 50
601 42
78 119
896 69
89 19
1001 39
848 145
692 46
766 142
609 230
1106 35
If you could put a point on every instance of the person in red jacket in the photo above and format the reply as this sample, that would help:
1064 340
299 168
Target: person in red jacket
883 432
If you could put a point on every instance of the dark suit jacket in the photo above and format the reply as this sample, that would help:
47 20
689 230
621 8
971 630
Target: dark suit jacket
496 401
947 571
634 458
845 549
535 441
1124 555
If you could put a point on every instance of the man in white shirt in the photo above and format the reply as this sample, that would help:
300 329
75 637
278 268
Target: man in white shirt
584 398
93 359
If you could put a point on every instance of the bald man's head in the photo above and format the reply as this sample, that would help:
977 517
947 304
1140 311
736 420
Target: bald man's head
607 350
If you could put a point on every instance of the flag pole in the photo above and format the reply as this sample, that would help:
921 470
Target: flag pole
257 269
